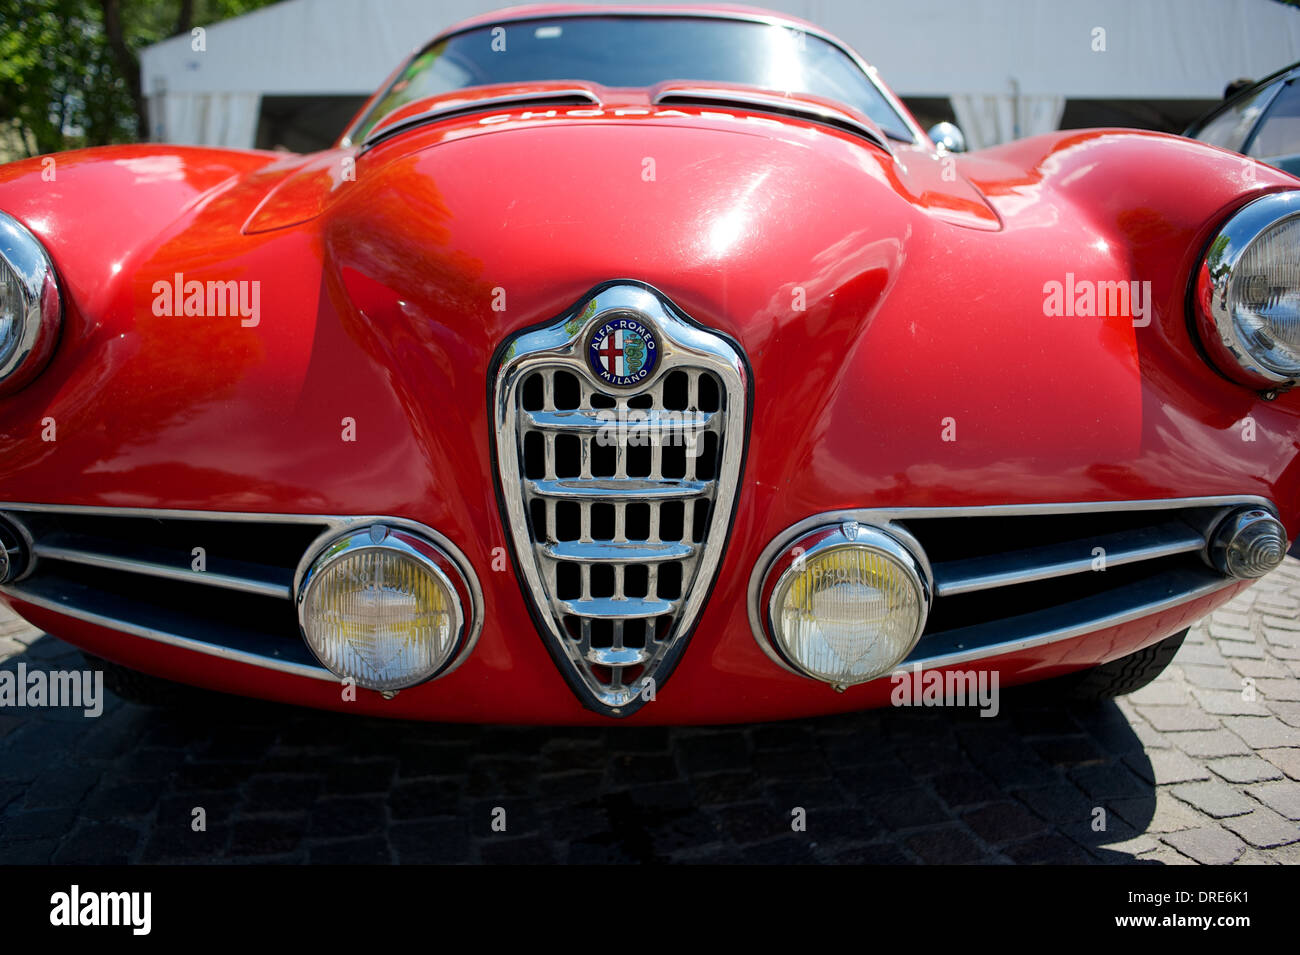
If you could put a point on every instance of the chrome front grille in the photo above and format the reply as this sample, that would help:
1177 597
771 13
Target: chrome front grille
619 499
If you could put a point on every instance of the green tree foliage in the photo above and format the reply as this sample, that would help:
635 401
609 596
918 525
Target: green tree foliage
70 69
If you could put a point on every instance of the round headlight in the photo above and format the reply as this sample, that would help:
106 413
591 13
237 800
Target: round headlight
846 603
1248 543
1248 293
382 607
30 308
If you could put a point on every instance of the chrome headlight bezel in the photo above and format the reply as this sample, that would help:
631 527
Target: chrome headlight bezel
410 544
892 543
22 254
1219 331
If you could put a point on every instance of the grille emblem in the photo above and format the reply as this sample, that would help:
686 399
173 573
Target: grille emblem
620 437
622 351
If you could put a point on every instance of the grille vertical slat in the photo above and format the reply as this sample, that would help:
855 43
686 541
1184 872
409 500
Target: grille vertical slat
616 459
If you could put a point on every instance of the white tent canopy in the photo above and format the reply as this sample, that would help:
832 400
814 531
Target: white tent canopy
1007 65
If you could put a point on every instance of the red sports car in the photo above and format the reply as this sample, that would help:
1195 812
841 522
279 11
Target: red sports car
643 363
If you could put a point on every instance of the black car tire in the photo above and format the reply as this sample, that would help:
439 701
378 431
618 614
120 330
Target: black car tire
1122 676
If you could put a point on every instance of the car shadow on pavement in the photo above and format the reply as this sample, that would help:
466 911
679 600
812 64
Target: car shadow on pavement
222 779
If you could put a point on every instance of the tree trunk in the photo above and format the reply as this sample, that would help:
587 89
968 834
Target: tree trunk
126 62
185 21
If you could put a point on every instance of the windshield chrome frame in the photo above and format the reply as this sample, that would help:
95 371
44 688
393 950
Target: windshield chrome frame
904 117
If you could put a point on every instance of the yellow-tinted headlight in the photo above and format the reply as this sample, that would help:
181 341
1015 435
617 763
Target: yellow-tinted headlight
848 610
377 608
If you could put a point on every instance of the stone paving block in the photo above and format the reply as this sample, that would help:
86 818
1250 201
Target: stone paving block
61 786
1284 855
787 850
1287 760
1133 846
1282 638
1003 822
1282 797
1288 713
906 809
38 823
1231 649
1209 845
1206 655
1167 766
1280 622
1254 857
1211 743
371 850
130 798
965 788
28 851
432 842
1068 751
1215 799
946 846
877 853
1212 677
1150 737
1158 812
1165 855
1258 668
1229 618
1244 769
1050 849
526 850
346 816
1115 780
1173 719
1229 703
1059 804
1263 732
1277 605
98 844
1264 828
1162 692
1276 688
1220 630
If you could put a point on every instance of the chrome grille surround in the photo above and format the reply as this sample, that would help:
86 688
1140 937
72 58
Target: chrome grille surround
612 679
1164 549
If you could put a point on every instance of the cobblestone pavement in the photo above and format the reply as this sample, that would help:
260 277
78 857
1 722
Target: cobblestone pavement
1188 770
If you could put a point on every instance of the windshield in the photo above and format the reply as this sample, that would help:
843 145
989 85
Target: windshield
640 51
1230 128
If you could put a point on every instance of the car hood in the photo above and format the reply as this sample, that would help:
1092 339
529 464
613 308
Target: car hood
871 325
574 130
